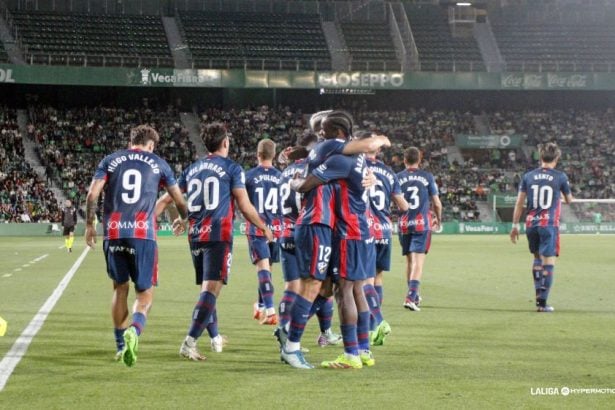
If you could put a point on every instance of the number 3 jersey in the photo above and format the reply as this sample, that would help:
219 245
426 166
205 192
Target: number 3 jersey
418 187
208 184
543 187
262 186
133 178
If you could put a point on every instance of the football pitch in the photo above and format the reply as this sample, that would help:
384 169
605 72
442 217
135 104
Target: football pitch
477 342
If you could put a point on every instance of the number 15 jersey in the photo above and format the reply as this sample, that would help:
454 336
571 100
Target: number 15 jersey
133 178
209 184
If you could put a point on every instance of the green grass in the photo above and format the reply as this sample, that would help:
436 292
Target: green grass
476 343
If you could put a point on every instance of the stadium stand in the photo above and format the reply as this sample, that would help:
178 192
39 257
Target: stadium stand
370 46
567 39
24 197
262 41
4 58
72 142
94 40
438 49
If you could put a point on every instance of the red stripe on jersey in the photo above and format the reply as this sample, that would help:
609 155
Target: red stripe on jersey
428 242
544 221
141 220
226 225
277 228
343 258
557 243
113 230
558 210
352 220
419 223
205 230
403 224
317 217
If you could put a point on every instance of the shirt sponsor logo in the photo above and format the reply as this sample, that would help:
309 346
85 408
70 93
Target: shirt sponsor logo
123 249
128 225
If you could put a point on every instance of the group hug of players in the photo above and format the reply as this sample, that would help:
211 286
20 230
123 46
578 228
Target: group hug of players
326 217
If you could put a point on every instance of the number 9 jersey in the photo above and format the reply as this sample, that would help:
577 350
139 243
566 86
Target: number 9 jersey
209 184
133 178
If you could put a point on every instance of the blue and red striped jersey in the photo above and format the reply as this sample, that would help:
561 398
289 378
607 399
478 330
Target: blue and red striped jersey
380 196
133 179
290 201
262 184
418 187
544 187
345 174
318 204
209 184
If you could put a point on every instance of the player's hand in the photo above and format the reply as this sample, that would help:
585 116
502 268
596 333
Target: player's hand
436 226
514 234
369 180
385 142
269 235
179 226
90 236
295 183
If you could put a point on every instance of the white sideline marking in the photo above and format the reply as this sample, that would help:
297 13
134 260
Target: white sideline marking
20 347
7 275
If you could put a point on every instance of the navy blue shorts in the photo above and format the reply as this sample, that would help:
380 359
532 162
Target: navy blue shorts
313 250
415 242
259 249
132 259
212 260
383 254
288 259
354 260
544 240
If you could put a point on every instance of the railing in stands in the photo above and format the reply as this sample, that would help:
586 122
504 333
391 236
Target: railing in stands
261 64
95 60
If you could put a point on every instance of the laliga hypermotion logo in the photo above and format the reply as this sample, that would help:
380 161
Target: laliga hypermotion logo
145 79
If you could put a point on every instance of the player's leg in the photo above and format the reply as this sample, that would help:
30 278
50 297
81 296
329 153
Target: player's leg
533 240
313 250
292 287
265 287
144 274
66 235
323 306
549 250
212 263
119 313
118 271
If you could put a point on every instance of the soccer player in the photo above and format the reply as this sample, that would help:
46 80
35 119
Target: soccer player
415 225
387 188
69 220
262 184
290 204
131 179
541 191
313 232
213 184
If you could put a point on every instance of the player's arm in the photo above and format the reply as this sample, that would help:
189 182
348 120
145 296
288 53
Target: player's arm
162 203
436 206
91 201
568 198
401 202
365 145
514 232
305 185
249 212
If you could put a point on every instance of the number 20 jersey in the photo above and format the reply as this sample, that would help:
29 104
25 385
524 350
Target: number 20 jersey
133 178
208 184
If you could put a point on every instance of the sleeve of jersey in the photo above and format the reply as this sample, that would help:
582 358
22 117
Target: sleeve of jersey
181 182
167 174
333 147
396 188
101 169
433 187
523 185
238 178
336 167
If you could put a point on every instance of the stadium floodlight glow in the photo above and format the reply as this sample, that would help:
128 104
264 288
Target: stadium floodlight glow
464 3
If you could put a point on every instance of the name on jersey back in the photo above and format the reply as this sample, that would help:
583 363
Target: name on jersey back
417 178
133 157
207 166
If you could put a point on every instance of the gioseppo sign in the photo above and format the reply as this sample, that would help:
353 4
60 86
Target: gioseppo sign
360 80
6 76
